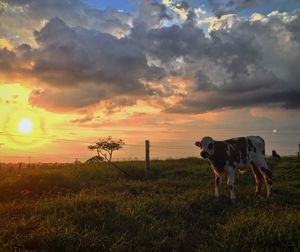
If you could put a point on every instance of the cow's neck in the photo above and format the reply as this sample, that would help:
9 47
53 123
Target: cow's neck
220 154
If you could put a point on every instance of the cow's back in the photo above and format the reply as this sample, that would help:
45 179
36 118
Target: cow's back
238 150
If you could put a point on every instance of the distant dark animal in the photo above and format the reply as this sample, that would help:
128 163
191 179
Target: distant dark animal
275 154
237 153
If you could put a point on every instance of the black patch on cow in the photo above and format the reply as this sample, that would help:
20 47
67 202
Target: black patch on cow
220 156
237 153
250 145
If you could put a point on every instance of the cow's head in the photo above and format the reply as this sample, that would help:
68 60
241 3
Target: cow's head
207 147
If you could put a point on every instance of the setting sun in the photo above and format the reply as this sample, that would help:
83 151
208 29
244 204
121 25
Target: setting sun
25 126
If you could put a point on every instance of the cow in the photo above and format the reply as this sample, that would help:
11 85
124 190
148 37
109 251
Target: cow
275 155
227 156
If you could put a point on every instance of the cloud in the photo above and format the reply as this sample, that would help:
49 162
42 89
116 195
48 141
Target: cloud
168 43
256 66
25 16
90 66
85 119
241 62
151 13
218 101
183 11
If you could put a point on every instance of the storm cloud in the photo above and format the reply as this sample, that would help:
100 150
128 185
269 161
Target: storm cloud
20 18
255 65
178 67
88 65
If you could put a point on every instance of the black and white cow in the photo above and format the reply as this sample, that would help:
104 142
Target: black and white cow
237 153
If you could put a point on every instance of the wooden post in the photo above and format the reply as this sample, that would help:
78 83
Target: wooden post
29 161
147 171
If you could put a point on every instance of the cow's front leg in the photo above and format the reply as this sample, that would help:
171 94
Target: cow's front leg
218 182
230 183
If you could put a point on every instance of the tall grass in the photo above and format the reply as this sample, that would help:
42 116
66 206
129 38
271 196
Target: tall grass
97 208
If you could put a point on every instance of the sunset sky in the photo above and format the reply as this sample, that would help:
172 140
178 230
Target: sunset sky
171 71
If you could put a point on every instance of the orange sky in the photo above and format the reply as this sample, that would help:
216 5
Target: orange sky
57 137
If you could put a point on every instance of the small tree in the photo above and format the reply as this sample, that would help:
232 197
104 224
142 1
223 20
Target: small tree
107 145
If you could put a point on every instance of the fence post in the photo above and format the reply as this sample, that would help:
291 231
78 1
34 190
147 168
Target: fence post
147 171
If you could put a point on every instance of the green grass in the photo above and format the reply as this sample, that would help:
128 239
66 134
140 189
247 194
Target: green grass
92 208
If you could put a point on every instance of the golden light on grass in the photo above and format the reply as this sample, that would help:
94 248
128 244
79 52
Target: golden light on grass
25 126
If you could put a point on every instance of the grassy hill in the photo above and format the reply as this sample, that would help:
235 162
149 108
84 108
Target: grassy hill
92 208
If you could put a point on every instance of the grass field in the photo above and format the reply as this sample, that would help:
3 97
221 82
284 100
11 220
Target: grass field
92 208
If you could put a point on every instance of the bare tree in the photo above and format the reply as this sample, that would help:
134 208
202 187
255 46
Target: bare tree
106 146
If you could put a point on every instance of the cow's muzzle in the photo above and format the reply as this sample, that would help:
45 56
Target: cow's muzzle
204 154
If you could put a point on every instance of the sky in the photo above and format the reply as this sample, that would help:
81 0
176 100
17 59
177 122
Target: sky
168 71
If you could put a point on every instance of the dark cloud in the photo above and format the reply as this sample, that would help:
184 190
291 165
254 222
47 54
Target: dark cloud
91 66
24 16
217 101
151 13
255 65
70 56
75 66
8 60
294 26
202 82
169 43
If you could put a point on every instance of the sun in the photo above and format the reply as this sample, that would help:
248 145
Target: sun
25 126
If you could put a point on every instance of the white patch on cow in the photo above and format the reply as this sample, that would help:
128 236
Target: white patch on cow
230 181
204 146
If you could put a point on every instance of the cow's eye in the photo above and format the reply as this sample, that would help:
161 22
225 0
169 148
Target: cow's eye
210 146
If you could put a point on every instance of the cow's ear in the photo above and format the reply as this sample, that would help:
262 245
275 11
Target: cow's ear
198 144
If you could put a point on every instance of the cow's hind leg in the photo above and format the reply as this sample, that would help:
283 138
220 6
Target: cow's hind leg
258 178
266 172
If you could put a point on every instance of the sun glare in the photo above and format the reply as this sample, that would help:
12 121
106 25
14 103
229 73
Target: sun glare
25 126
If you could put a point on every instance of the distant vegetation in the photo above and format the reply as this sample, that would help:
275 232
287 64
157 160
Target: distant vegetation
84 208
106 146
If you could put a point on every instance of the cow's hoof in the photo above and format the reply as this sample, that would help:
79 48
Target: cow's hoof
233 201
257 193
